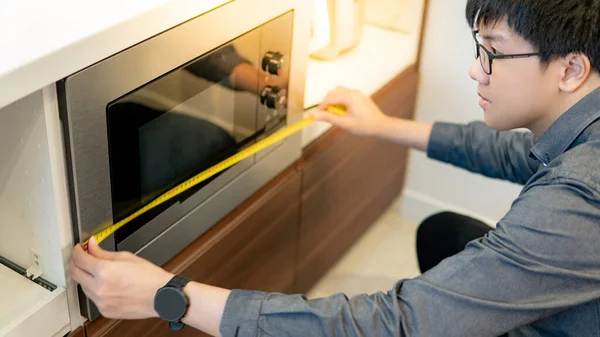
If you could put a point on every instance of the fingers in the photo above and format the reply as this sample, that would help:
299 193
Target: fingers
80 276
340 95
95 250
331 118
339 110
86 262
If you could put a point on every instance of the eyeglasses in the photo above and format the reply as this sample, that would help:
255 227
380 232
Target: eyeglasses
486 57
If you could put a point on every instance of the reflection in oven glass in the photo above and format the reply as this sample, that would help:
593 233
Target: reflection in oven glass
175 127
175 145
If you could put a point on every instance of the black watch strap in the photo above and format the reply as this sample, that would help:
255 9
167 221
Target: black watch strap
178 282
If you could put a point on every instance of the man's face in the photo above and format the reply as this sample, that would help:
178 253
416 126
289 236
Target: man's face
519 92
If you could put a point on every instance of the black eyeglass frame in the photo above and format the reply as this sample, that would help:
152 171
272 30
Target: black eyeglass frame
491 56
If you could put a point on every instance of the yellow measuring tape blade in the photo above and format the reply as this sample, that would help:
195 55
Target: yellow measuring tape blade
225 164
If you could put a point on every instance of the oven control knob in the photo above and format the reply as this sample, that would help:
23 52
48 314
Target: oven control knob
272 62
273 97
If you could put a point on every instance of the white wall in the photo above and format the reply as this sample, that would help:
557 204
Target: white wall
447 93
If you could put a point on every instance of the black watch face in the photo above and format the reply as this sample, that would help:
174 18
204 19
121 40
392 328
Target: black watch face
170 304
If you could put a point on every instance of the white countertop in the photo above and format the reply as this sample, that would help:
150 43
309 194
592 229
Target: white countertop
40 39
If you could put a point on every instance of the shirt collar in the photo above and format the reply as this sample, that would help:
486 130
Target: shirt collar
563 132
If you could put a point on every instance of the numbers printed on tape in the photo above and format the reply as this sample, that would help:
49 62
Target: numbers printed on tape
225 164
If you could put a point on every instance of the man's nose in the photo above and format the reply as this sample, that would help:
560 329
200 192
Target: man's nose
477 73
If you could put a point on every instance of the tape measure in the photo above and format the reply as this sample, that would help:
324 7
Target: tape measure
225 164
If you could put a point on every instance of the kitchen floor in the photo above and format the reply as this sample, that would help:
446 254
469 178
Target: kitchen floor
384 255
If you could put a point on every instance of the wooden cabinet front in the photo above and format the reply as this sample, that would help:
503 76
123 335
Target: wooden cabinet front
347 182
79 332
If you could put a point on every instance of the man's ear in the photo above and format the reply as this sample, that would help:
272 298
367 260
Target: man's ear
576 69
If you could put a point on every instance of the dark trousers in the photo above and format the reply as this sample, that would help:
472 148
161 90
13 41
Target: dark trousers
445 234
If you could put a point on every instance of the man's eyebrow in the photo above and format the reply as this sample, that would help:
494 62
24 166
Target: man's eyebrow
494 37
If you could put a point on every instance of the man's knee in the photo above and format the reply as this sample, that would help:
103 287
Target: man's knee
436 223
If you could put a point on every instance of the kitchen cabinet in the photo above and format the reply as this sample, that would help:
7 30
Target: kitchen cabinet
34 229
347 182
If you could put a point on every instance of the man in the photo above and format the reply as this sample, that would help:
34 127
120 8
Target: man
536 274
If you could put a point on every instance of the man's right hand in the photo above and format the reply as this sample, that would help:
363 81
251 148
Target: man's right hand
363 117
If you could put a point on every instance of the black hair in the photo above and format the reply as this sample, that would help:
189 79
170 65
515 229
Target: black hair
555 28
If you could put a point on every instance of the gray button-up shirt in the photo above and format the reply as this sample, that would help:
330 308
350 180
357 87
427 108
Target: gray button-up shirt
536 274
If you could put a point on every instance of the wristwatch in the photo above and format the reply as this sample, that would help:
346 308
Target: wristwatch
171 303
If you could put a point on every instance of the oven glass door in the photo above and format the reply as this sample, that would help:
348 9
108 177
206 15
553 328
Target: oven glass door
180 124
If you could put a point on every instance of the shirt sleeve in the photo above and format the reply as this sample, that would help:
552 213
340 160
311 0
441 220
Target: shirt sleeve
218 65
541 259
479 149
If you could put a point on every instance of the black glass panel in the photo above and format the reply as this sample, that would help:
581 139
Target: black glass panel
173 128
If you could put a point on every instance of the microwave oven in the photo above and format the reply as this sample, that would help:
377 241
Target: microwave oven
150 117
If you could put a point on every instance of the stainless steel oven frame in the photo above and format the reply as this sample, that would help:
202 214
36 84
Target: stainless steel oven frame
84 95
